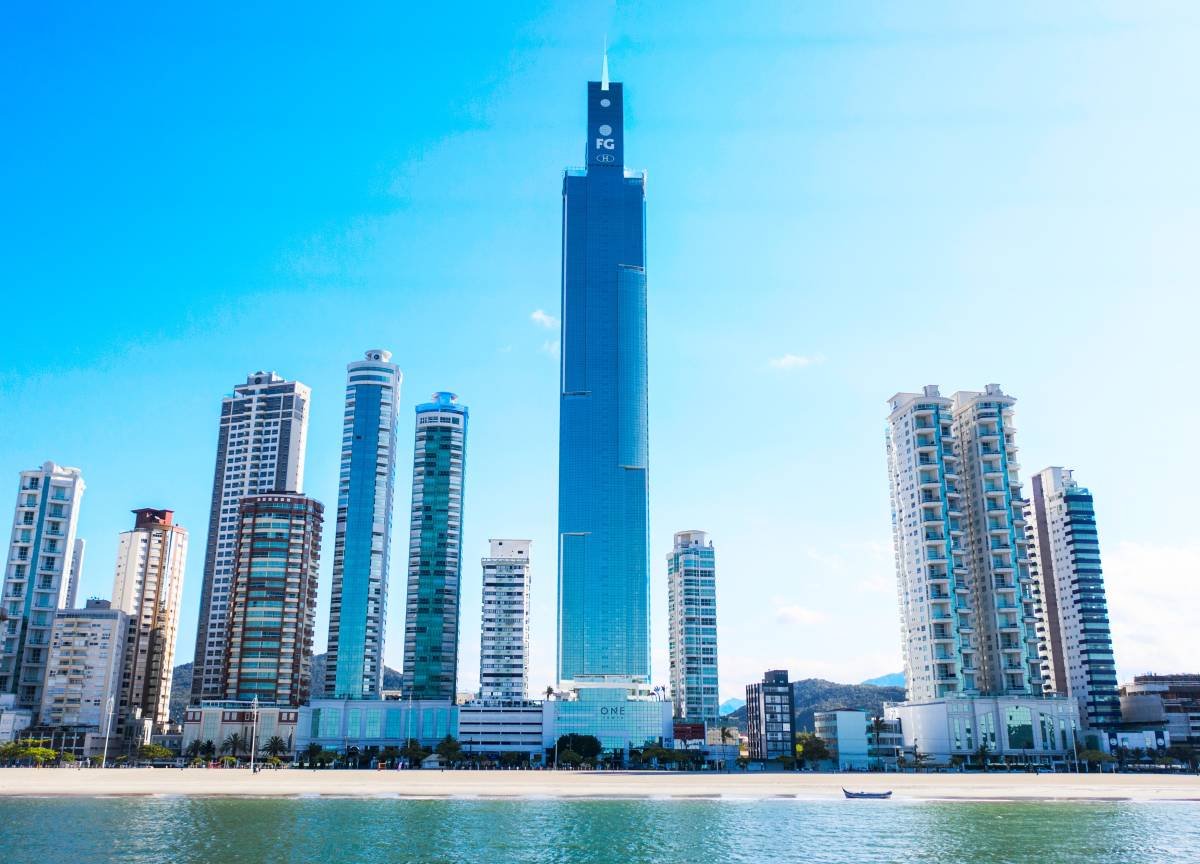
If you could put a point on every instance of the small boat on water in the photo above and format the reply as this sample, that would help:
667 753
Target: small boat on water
850 794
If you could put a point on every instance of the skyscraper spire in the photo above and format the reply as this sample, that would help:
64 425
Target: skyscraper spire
604 67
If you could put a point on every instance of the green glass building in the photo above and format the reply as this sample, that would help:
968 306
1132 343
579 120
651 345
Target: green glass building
434 552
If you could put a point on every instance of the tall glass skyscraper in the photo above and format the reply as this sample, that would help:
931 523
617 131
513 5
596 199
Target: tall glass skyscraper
604 567
358 607
434 550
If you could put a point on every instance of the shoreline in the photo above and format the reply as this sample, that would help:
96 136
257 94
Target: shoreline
488 786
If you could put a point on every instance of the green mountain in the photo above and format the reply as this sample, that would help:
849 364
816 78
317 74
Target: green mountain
813 694
896 679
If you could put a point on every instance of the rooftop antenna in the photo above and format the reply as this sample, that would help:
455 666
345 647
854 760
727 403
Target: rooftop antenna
604 68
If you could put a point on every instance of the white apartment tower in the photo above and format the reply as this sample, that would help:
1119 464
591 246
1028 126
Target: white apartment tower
692 617
147 587
87 651
76 573
260 448
504 628
36 577
1064 560
963 584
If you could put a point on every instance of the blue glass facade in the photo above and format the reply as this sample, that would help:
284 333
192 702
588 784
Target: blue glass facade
604 570
358 608
434 551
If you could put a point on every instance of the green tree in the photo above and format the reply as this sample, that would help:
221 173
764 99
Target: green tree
39 755
587 747
1185 753
981 755
312 754
154 752
787 762
10 752
194 750
810 748
414 753
390 754
570 757
449 749
742 762
229 761
275 746
234 745
209 749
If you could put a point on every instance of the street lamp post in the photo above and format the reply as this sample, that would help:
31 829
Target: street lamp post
254 734
107 732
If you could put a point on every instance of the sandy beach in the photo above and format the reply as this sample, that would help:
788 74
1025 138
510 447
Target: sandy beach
543 784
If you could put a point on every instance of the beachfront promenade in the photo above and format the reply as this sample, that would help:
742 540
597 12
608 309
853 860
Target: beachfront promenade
588 784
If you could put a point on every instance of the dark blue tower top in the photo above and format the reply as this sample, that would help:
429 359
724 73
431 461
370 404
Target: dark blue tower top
606 126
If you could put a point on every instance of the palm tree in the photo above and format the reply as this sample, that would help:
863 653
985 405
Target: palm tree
209 750
275 746
549 692
194 749
726 733
312 753
234 744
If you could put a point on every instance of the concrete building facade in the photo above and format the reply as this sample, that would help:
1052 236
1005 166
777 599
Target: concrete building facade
692 623
260 448
148 587
86 663
36 577
274 599
769 717
504 623
1075 640
963 582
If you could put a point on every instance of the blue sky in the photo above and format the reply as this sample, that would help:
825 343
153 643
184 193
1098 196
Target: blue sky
944 193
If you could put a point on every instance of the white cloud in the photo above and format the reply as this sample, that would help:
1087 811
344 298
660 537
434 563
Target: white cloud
542 319
792 613
796 361
551 348
1153 606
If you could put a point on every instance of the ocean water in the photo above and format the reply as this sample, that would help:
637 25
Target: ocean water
337 831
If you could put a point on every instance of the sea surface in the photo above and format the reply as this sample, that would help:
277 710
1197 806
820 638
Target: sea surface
337 831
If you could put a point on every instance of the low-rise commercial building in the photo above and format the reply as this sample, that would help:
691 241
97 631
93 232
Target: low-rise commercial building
1029 728
215 721
845 735
1173 699
493 728
337 724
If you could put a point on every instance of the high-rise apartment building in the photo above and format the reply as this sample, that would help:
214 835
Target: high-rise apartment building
769 720
434 550
504 624
87 652
148 586
358 608
1064 560
692 615
967 607
260 448
603 515
36 577
76 573
274 599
